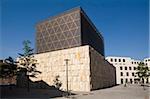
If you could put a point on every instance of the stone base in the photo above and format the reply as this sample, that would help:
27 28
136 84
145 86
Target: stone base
87 69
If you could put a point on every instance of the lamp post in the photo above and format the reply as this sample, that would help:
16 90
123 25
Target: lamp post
67 75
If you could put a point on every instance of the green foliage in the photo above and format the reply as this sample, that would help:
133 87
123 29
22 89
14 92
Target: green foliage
57 82
143 71
28 51
27 61
10 60
8 68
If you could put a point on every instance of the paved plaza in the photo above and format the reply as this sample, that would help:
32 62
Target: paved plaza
117 92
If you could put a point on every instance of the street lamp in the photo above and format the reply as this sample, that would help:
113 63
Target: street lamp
67 75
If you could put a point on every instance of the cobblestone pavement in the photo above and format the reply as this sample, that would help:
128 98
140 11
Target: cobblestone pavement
117 92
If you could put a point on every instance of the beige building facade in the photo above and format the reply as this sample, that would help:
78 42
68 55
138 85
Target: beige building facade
87 69
126 69
147 61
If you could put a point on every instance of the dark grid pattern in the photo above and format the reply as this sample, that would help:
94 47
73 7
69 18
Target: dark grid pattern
69 29
59 33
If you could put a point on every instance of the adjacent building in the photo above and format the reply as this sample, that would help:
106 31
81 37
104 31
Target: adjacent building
147 61
126 69
72 36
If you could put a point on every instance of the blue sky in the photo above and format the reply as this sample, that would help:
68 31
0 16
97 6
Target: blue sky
124 24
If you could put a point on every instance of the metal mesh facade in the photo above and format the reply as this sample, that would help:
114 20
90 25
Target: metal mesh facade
91 36
59 32
69 29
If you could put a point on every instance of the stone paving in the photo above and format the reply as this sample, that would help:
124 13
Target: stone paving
117 92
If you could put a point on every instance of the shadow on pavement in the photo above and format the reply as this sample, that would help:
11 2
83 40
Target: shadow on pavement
38 89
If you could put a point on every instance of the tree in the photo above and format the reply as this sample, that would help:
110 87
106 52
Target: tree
27 62
10 60
8 69
143 72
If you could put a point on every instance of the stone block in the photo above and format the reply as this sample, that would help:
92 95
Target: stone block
85 71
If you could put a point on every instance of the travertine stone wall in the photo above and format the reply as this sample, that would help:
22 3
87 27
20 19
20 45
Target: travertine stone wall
87 69
103 74
53 63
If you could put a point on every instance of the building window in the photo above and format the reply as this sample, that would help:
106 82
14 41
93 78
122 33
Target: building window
147 81
127 74
146 64
135 81
131 81
148 59
115 60
134 68
125 68
119 60
129 68
126 80
111 60
132 62
132 74
123 60
121 73
120 68
121 81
